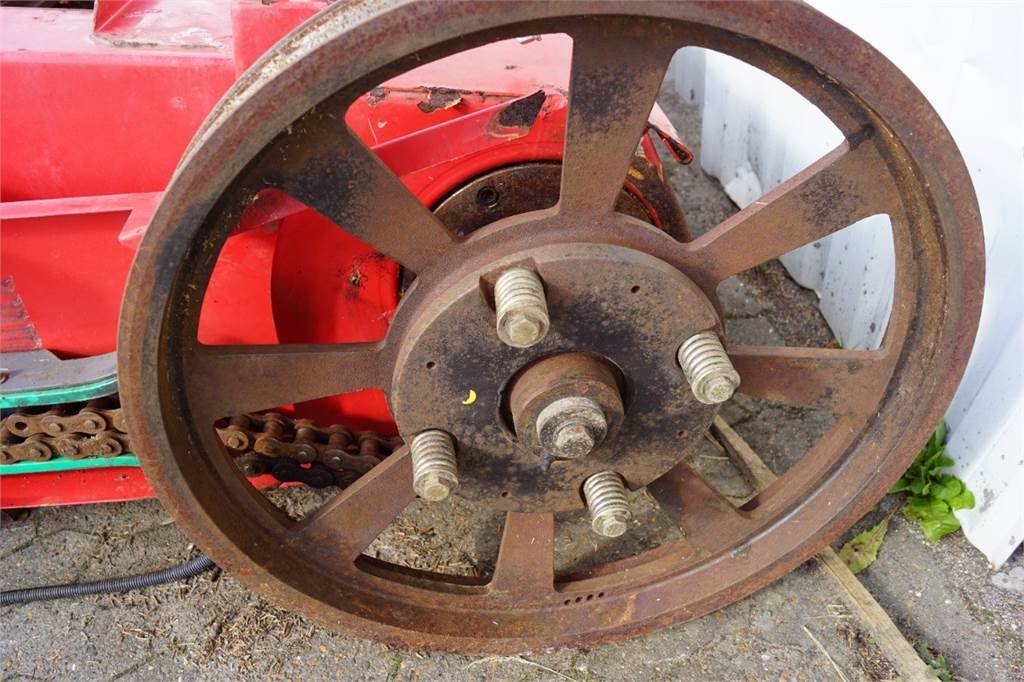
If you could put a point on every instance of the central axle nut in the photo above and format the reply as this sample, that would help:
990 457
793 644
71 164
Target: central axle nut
565 406
571 427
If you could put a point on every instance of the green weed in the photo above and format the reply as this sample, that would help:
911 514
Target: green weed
933 495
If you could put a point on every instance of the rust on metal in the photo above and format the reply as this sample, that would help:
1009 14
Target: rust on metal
440 98
617 288
522 112
561 376
522 188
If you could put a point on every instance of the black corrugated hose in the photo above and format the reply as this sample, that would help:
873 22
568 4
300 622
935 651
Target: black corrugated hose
190 568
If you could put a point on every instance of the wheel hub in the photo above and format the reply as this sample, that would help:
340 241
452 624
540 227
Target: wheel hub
618 317
565 406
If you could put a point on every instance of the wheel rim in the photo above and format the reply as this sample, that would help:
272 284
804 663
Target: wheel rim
898 159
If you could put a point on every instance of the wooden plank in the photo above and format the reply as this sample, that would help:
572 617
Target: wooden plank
878 623
757 473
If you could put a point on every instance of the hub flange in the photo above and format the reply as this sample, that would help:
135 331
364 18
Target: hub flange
617 317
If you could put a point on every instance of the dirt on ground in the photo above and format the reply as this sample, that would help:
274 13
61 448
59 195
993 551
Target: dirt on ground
943 596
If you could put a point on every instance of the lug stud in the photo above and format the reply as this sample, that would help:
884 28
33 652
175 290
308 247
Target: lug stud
522 310
707 367
605 495
434 469
571 427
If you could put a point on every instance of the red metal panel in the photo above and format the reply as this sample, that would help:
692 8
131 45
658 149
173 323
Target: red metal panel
111 484
69 271
166 24
85 114
81 115
257 25
87 486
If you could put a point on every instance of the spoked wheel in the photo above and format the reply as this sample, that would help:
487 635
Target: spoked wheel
590 394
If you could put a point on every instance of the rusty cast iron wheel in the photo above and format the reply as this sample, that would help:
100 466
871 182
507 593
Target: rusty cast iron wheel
897 159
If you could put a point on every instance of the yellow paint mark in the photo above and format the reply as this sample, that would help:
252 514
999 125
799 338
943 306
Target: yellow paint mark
635 174
470 398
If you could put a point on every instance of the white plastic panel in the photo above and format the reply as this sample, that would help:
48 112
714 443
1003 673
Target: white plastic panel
967 58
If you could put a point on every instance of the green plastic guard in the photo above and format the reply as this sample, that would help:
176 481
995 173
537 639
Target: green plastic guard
65 464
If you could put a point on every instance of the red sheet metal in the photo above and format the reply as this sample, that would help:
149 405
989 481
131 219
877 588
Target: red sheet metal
95 112
87 486
111 484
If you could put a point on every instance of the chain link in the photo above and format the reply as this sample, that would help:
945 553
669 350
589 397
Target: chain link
291 450
75 431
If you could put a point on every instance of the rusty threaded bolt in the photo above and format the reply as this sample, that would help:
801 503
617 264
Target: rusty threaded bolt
605 495
707 367
236 440
434 469
522 310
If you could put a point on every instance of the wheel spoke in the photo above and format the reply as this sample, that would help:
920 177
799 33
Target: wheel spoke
610 100
232 380
846 185
708 520
347 523
846 382
526 559
341 178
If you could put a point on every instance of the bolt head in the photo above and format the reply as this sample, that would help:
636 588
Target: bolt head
571 427
610 525
717 389
434 488
573 440
522 329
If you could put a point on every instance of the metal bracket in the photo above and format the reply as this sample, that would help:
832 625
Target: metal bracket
39 377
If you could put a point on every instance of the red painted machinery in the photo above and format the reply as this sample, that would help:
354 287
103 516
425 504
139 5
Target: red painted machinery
98 107
412 252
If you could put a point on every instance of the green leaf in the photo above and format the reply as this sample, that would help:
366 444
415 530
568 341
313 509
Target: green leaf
899 486
934 496
924 508
862 550
934 527
932 453
947 487
964 500
920 486
936 664
936 462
